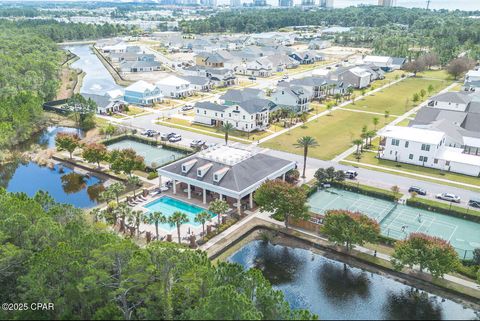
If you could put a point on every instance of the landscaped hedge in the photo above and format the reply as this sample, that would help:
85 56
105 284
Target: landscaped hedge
365 190
433 206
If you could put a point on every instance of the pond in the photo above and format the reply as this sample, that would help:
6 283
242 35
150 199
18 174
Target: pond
97 79
323 286
62 183
48 136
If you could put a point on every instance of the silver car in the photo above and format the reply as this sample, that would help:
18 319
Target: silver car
448 197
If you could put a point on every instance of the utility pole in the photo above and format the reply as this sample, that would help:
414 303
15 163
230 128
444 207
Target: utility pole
428 4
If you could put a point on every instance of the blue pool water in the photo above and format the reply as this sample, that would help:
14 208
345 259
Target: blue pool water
168 206
66 187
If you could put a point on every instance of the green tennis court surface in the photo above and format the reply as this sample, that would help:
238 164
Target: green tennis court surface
398 221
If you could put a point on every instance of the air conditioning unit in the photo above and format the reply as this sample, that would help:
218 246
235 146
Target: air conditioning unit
187 166
218 175
202 170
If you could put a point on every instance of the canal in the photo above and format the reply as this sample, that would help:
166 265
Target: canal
333 291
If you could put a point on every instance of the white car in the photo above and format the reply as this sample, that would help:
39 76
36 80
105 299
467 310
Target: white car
187 107
448 197
175 138
351 174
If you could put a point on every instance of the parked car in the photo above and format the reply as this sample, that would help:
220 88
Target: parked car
169 135
474 202
418 190
197 143
351 174
148 132
175 138
448 197
252 78
285 77
187 107
164 136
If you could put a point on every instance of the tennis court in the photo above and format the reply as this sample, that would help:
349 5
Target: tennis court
398 221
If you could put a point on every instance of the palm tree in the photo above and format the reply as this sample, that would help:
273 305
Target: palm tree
375 121
125 212
135 218
155 218
305 142
227 128
117 189
177 219
134 182
218 207
96 213
202 218
358 142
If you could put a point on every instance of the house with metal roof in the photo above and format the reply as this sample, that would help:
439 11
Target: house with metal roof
174 87
142 93
291 97
221 172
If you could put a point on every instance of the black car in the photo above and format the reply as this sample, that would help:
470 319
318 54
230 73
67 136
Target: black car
474 202
170 135
418 190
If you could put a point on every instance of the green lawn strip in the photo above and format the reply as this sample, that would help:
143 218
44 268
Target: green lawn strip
435 74
404 123
394 98
368 158
368 190
445 208
334 133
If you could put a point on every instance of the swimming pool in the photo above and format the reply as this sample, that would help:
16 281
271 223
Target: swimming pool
168 205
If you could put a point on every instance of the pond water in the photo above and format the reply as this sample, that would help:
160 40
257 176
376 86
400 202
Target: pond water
311 281
48 136
155 156
62 183
97 79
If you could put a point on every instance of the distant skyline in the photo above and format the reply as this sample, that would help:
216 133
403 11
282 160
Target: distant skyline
469 5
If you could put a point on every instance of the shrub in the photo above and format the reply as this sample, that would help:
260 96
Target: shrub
152 175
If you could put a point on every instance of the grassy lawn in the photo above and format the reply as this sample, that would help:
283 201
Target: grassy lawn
394 98
369 158
212 131
404 123
334 134
457 87
436 74
133 111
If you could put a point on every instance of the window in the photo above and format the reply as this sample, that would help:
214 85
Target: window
435 161
425 159
406 144
204 112
420 158
410 156
243 116
447 163
426 147
230 115
215 114
395 142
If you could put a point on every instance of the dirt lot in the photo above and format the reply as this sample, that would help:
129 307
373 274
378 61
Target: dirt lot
150 76
338 52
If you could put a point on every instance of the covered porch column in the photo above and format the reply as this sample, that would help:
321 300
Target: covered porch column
251 200
189 191
174 186
159 180
204 196
283 176
239 206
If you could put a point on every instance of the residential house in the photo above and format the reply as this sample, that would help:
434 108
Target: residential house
357 77
316 87
111 101
139 66
291 97
199 83
174 87
220 77
236 96
281 62
306 57
397 63
457 101
142 93
261 67
209 59
472 81
383 62
318 44
248 116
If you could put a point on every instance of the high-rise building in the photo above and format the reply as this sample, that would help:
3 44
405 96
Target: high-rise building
235 3
285 3
387 3
326 3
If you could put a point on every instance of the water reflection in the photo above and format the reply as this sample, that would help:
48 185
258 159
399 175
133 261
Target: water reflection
279 264
412 304
341 284
73 183
94 191
311 281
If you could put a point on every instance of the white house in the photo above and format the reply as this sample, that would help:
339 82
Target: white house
456 101
142 93
174 87
472 81
291 97
246 116
425 147
383 62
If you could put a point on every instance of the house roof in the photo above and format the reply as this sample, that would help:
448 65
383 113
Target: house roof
398 61
413 134
377 59
210 106
257 105
102 101
140 86
459 97
239 95
197 80
172 80
455 155
247 171
139 64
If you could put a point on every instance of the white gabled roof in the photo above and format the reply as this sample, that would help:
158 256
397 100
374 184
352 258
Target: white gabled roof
456 155
473 73
360 72
413 134
379 59
115 93
140 86
172 80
